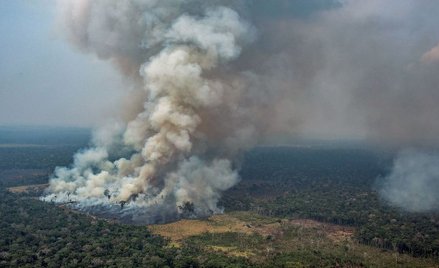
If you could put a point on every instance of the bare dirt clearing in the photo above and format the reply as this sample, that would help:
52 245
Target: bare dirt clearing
27 188
246 223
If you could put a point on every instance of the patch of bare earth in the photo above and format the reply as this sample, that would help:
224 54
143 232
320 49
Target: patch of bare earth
336 233
27 188
178 231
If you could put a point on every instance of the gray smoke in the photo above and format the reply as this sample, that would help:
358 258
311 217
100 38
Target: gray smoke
208 79
413 183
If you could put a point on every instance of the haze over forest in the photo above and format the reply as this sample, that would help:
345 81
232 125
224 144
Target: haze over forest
151 112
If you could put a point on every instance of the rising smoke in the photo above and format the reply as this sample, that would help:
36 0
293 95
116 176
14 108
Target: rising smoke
176 47
413 183
208 79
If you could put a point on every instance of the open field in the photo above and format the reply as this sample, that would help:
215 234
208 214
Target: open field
263 239
28 188
180 230
246 223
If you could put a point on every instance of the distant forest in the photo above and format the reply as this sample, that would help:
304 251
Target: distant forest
332 184
44 135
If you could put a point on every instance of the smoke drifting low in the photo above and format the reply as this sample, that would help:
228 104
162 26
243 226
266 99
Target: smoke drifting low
413 183
209 79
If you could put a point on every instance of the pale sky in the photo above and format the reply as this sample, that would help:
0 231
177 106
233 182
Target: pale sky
43 80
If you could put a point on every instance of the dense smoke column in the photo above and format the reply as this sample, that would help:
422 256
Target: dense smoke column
167 168
204 85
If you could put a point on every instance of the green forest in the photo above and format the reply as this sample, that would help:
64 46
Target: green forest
336 186
331 185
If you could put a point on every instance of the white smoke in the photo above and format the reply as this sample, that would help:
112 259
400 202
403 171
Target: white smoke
164 170
413 183
201 90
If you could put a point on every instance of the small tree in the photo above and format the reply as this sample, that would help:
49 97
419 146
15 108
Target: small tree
187 209
107 194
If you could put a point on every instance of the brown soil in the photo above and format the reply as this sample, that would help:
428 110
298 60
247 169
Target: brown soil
26 188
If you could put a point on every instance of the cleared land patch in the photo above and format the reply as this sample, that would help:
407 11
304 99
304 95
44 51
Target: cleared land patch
258 239
177 231
246 223
27 188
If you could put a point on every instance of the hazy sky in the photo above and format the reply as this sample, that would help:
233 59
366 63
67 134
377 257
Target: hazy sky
44 81
363 68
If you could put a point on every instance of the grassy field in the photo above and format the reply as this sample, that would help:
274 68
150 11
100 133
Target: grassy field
27 188
294 243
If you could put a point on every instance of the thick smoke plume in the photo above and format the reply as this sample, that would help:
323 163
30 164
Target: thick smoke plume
167 140
208 79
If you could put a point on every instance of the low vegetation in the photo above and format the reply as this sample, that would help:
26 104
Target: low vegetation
336 186
294 207
275 242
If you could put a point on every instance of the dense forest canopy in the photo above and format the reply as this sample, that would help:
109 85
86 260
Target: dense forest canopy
333 184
